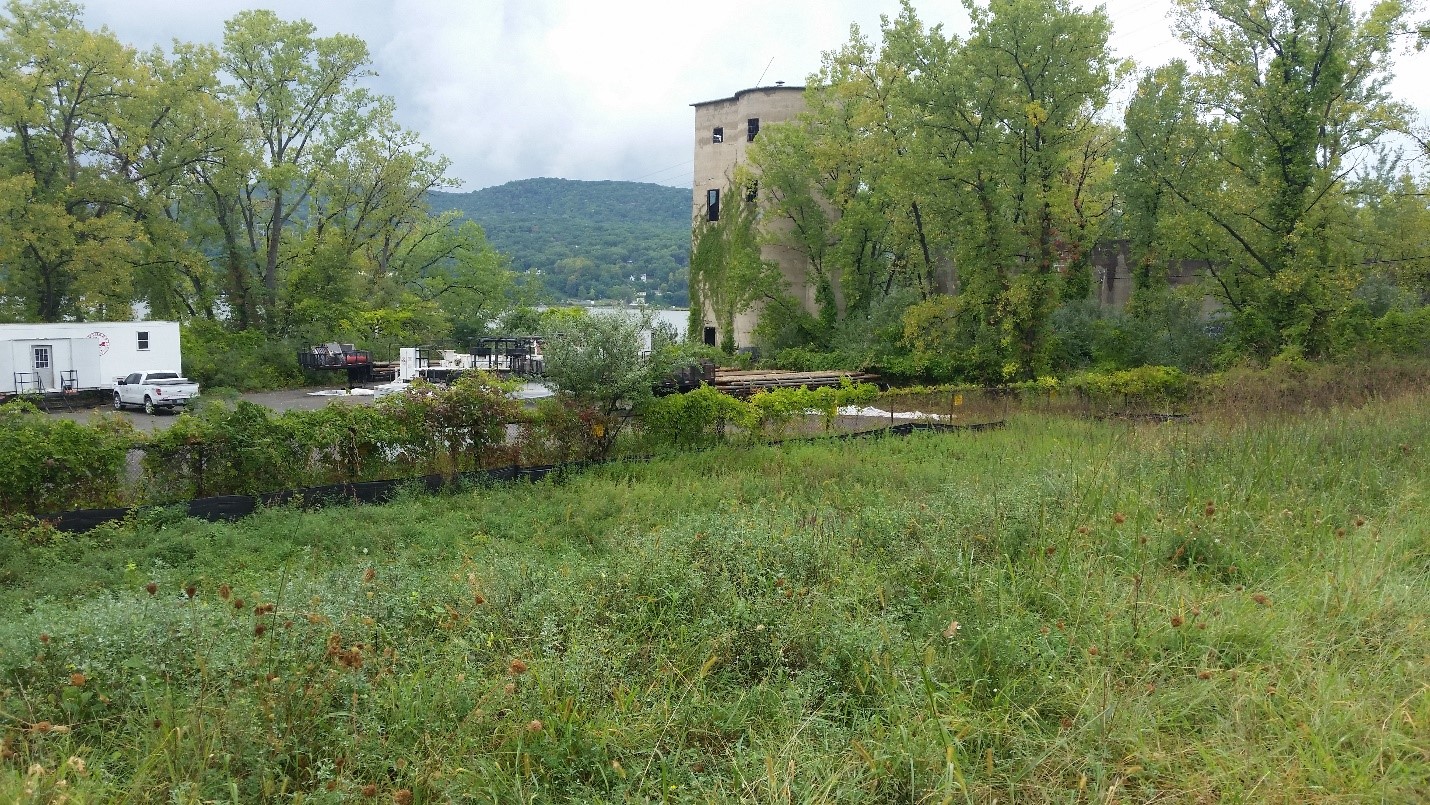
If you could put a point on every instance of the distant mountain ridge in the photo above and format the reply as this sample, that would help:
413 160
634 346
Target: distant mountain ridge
585 240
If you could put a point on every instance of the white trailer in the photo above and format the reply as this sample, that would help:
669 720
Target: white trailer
65 356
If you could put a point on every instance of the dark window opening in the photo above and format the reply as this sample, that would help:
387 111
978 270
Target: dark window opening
143 339
712 204
709 336
752 189
719 135
754 128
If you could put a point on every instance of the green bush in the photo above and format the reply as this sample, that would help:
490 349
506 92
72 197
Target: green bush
1145 385
49 464
247 361
696 418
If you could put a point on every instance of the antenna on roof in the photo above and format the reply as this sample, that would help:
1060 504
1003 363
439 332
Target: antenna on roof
767 69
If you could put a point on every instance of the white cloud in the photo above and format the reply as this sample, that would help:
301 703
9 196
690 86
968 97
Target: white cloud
511 89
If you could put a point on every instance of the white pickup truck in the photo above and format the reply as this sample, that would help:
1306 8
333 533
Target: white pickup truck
154 389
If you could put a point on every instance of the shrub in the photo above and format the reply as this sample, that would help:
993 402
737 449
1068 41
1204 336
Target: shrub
1145 385
49 464
696 418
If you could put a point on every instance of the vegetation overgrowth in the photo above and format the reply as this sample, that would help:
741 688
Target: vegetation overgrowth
1226 609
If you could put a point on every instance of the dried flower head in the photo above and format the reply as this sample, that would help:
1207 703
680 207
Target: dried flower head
1204 674
402 796
1050 550
510 688
191 591
44 638
534 725
517 667
1359 521
77 679
951 631
1261 599
369 790
1340 532
41 727
259 629
478 599
369 574
1176 621
238 603
223 591
1092 651
1065 722
1084 530
1119 518
151 588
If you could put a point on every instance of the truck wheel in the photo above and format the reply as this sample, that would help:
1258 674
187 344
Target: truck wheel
118 403
149 406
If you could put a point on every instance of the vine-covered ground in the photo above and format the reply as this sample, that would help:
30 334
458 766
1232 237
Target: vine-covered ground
1058 611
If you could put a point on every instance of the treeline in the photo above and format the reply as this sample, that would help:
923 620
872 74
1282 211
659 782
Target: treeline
258 185
572 240
947 192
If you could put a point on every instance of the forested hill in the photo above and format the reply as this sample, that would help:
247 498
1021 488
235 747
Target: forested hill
588 240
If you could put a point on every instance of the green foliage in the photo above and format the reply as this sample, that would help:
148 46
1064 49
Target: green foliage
843 620
1144 385
216 357
50 465
245 448
588 240
696 418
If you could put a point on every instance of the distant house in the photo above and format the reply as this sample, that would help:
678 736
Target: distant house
73 356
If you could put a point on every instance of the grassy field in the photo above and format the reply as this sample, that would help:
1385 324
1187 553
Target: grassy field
1060 611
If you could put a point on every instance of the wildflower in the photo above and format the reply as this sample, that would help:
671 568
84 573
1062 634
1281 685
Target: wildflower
1119 518
77 679
1176 621
223 591
517 667
151 588
534 726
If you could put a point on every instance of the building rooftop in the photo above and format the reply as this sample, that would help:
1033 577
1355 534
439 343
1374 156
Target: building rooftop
738 95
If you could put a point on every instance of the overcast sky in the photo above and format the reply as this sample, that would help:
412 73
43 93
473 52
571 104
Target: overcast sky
576 89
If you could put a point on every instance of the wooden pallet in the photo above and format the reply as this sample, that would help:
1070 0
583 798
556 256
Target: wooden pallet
742 383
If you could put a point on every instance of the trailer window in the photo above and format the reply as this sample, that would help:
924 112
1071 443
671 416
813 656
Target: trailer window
143 339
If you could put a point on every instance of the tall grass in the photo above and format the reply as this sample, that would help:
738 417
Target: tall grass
1060 611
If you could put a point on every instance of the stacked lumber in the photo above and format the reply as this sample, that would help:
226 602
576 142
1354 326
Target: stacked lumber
744 382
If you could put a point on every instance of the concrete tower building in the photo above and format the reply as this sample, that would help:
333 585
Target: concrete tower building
723 131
